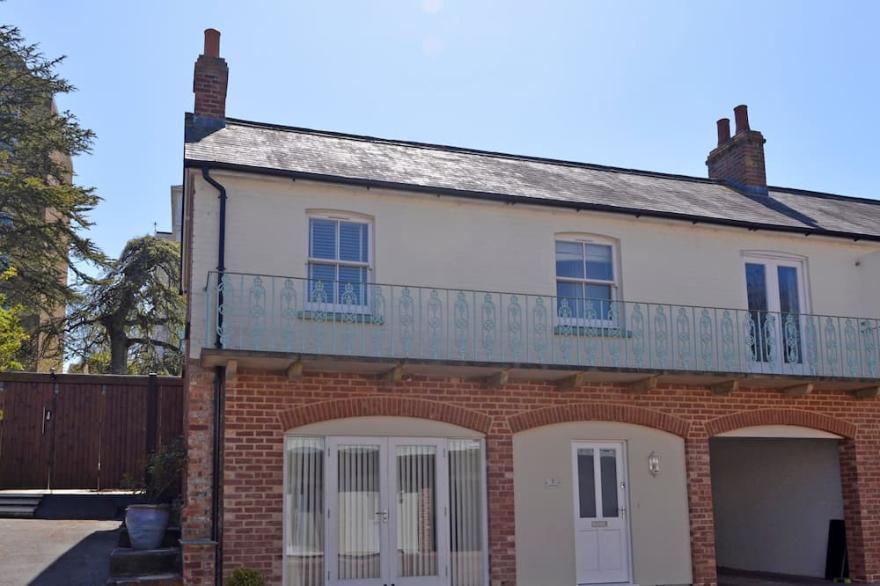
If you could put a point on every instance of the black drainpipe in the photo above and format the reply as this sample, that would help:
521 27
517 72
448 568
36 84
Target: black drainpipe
221 250
219 390
216 485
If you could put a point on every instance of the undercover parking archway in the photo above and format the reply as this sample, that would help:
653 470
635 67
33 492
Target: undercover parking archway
776 490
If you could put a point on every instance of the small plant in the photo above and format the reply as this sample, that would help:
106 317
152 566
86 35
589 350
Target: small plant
165 469
246 577
148 523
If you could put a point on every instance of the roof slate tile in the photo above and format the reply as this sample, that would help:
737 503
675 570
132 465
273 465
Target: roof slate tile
481 174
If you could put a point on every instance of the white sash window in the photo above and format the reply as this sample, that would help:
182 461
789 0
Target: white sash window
586 280
339 262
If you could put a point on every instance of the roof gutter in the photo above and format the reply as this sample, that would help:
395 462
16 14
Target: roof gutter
518 199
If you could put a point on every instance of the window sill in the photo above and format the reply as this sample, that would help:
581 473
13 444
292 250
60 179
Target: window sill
591 332
341 317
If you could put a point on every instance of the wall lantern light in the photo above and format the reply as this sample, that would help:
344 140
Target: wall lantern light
654 463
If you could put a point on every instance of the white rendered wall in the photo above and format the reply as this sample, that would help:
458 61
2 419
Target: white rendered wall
544 503
441 241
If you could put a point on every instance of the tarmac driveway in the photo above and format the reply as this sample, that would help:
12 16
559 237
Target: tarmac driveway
50 552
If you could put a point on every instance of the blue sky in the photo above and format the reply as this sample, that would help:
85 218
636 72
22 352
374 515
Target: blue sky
626 83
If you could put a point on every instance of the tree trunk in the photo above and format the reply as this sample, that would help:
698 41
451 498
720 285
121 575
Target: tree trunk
118 351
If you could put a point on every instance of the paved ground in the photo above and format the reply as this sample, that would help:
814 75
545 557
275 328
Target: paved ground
47 553
726 579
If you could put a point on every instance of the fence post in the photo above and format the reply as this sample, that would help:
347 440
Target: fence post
49 420
152 414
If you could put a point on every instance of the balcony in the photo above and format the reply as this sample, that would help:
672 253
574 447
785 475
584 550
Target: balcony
380 324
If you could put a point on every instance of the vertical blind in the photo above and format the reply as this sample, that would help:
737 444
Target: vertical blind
360 516
466 513
358 520
305 505
416 497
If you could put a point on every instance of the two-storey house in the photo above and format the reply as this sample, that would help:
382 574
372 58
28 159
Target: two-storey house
412 364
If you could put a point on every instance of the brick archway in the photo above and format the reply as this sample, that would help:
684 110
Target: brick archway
781 417
384 406
850 468
596 412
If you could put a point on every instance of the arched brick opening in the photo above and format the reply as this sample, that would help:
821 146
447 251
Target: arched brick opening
847 450
594 412
781 417
384 406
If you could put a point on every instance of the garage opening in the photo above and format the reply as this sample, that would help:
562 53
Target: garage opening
777 499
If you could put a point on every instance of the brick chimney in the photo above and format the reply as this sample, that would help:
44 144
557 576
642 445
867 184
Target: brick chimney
739 160
209 79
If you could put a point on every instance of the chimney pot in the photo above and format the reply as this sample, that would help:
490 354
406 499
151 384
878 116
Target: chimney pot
738 160
212 42
741 113
723 131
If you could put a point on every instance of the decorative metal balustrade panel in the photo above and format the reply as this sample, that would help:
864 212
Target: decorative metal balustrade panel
288 314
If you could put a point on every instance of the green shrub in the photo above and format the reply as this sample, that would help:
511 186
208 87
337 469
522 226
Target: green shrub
246 577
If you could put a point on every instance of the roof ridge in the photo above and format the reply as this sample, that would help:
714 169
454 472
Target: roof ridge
473 151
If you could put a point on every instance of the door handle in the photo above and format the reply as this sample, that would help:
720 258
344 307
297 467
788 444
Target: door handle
47 416
383 516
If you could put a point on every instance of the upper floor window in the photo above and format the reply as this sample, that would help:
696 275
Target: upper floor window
776 297
339 260
586 278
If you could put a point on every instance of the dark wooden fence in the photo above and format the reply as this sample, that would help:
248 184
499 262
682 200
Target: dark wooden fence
83 431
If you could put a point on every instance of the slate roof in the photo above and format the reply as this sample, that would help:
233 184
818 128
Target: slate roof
364 160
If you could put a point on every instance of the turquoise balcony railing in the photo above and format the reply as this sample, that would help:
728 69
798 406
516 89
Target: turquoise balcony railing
295 315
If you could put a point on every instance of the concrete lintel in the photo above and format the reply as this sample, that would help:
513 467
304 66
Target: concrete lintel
799 390
867 392
571 382
231 371
295 370
392 376
497 380
643 386
726 387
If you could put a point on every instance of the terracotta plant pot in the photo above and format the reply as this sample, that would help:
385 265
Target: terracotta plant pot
146 525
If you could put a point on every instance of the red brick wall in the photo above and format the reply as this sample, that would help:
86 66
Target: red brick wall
261 406
740 161
210 78
198 549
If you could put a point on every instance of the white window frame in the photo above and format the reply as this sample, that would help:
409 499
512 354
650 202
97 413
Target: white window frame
771 261
614 283
335 307
776 259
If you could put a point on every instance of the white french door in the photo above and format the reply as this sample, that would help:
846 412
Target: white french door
776 300
357 512
602 541
387 510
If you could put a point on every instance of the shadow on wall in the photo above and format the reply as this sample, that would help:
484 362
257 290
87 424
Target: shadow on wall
86 563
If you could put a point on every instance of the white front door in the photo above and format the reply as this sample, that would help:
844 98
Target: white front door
600 524
387 509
